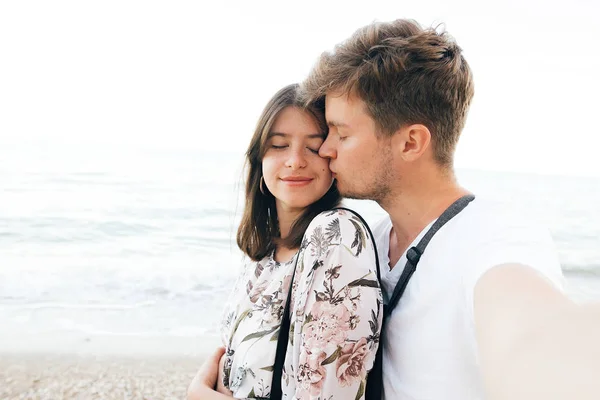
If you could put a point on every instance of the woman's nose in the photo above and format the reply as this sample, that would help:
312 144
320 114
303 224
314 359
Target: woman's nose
296 160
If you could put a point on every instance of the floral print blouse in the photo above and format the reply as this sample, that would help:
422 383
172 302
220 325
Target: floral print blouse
335 317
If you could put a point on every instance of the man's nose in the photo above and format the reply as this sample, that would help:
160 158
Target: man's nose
327 149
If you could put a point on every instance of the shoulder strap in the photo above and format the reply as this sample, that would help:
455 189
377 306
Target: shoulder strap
413 255
282 340
374 387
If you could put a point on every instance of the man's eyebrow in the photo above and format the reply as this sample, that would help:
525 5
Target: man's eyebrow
311 136
337 124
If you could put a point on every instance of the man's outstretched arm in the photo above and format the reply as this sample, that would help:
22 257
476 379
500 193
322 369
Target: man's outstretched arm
534 343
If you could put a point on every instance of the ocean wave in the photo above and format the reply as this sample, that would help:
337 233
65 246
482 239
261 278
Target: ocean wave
69 325
582 269
72 306
217 212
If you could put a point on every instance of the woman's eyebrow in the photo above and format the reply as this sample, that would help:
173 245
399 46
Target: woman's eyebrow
311 136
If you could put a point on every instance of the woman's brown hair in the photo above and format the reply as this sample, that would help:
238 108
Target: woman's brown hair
258 233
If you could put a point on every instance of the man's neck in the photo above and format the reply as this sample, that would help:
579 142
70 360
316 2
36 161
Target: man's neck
415 208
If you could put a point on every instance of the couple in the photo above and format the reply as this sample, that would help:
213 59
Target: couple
483 316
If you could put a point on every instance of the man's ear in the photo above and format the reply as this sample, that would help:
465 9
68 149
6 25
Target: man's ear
410 142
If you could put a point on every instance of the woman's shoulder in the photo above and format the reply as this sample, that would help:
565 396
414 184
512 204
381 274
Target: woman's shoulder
338 215
339 226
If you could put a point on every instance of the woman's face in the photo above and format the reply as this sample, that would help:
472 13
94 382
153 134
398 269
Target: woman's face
293 170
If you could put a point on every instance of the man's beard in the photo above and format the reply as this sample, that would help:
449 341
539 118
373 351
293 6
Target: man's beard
377 190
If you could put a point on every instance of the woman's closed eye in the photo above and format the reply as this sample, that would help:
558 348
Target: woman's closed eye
285 146
314 144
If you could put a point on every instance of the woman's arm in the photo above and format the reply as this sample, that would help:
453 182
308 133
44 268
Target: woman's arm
205 380
338 309
220 387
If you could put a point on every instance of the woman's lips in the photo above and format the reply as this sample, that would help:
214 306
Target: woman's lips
297 181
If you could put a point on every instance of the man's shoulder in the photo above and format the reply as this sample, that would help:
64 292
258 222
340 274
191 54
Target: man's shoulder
487 217
494 233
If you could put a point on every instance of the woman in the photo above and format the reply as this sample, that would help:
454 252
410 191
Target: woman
294 238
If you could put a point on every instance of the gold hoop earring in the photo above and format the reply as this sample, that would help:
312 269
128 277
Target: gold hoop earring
260 186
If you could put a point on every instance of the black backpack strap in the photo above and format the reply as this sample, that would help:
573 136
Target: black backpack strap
284 330
282 340
374 388
413 255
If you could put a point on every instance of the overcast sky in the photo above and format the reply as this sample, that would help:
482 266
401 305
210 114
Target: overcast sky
193 75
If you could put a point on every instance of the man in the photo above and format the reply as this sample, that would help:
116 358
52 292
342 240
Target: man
484 315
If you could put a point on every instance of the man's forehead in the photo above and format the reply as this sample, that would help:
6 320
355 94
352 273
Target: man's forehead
339 107
339 95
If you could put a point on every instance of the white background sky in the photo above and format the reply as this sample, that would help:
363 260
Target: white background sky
194 75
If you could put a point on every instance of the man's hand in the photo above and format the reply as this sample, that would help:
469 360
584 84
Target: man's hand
534 343
203 384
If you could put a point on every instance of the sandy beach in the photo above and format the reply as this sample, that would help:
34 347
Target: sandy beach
101 367
87 377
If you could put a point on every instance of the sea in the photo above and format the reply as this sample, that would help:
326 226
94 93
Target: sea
108 240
